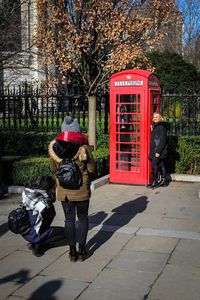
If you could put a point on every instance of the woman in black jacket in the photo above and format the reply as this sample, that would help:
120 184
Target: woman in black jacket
158 150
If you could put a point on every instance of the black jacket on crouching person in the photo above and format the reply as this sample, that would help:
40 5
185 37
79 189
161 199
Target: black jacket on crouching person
159 144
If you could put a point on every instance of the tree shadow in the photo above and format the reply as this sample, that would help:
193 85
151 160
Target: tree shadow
3 228
47 290
20 277
121 216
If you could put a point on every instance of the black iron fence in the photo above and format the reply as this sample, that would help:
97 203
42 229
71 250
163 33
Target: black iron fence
28 110
182 112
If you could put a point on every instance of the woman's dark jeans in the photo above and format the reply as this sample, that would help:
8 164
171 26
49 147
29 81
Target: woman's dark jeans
76 232
158 164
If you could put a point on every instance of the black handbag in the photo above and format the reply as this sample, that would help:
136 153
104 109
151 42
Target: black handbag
18 221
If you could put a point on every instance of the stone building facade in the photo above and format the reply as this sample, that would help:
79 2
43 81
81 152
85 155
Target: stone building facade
19 60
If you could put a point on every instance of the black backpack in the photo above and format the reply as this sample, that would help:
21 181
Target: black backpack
18 221
69 175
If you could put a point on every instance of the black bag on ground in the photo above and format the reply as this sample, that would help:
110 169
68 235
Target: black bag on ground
69 175
18 221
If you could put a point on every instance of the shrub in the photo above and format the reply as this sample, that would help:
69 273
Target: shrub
25 143
188 149
184 156
176 74
101 153
102 141
30 170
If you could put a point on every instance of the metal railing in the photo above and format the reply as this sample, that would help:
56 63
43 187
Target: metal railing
26 109
29 110
182 111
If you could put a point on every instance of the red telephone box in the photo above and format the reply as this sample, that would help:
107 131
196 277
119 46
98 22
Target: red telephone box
134 96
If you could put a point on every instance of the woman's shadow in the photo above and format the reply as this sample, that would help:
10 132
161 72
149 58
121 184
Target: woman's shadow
121 216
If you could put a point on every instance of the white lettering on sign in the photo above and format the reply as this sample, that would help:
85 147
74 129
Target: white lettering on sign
129 83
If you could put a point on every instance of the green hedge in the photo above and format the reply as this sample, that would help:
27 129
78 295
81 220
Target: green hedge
189 155
25 143
36 143
184 156
31 169
26 156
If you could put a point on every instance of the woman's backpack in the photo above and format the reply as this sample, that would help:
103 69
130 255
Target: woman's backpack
69 175
18 221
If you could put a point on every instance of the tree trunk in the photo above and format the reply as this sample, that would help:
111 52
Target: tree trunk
92 120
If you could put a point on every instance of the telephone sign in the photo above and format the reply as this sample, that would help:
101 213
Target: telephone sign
128 83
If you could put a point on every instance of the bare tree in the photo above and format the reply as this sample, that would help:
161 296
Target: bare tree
10 28
90 40
190 10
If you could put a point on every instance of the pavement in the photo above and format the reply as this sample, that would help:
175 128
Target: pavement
145 245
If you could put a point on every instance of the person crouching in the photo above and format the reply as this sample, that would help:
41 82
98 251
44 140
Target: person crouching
38 198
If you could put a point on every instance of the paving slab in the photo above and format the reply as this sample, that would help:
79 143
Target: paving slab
49 288
81 271
187 253
183 224
169 233
152 243
8 287
114 285
15 298
177 283
10 243
145 246
183 211
107 242
114 228
151 220
57 250
139 260
22 265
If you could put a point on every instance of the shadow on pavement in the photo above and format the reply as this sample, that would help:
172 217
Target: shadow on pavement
121 216
47 290
3 228
20 277
58 240
97 218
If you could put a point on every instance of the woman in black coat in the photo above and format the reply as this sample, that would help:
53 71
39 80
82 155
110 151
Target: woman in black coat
158 150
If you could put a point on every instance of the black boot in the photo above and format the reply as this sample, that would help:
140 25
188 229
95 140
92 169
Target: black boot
72 253
163 182
37 250
154 184
82 253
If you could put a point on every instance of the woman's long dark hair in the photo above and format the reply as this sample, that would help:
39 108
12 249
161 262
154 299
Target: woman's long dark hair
46 183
